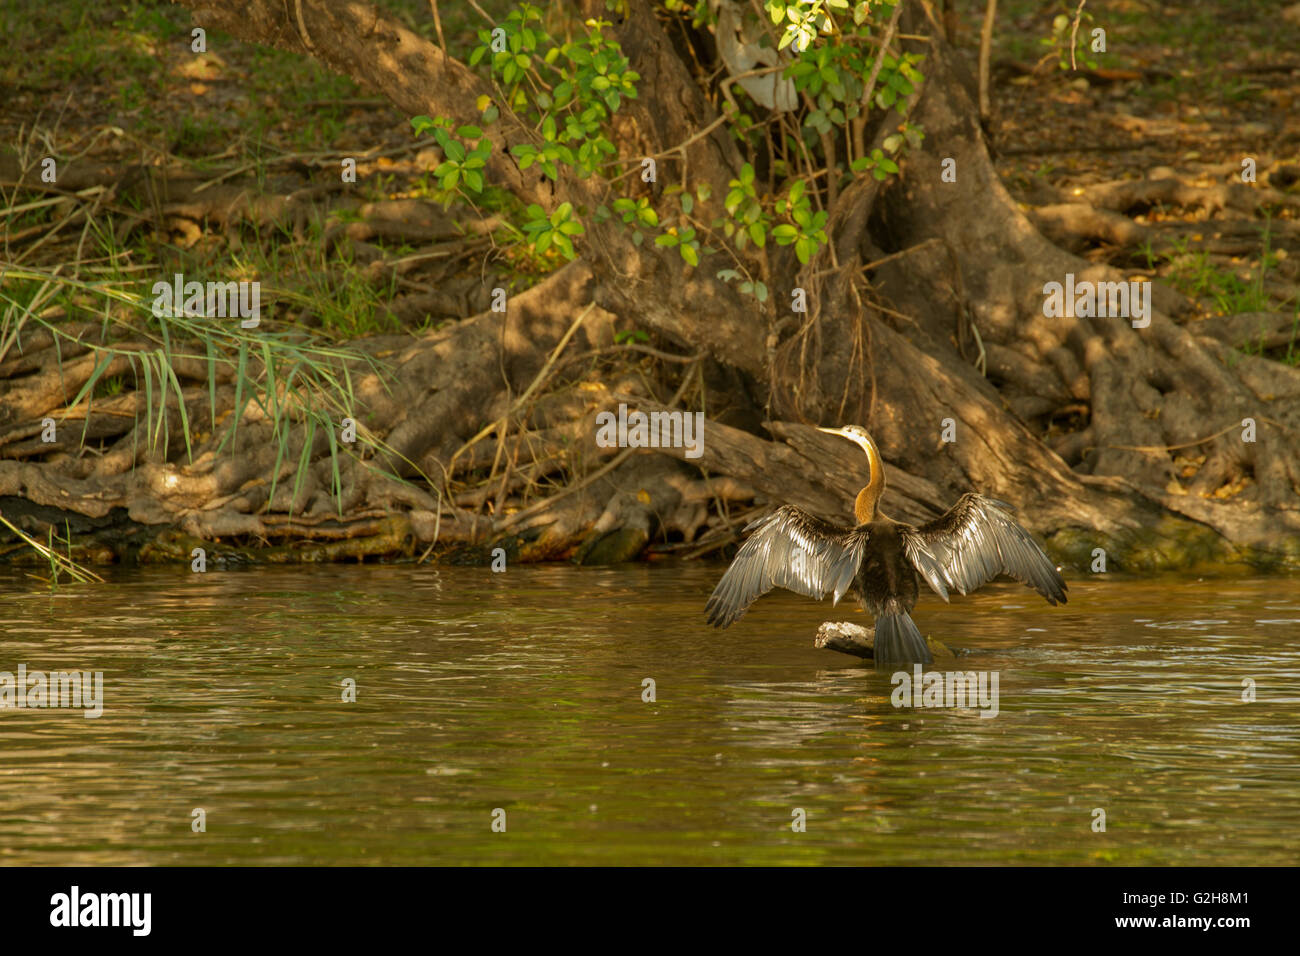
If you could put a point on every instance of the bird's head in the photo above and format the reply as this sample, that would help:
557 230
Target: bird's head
854 433
868 498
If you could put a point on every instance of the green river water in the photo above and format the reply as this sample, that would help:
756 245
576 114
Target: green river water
523 692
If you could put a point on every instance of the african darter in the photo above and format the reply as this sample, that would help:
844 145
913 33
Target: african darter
964 549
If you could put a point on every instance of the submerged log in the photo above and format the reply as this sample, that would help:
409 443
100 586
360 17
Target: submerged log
859 641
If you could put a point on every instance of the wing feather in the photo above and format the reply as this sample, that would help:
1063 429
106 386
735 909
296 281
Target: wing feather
788 549
973 543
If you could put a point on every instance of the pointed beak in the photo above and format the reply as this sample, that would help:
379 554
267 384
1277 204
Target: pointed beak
856 437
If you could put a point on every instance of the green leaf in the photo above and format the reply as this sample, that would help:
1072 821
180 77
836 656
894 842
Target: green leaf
241 399
100 365
147 364
212 380
469 132
666 239
561 213
304 460
758 234
165 365
337 479
689 254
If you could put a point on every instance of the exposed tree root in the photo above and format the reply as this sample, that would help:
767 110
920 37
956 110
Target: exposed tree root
925 323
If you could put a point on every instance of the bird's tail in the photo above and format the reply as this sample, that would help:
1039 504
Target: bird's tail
898 640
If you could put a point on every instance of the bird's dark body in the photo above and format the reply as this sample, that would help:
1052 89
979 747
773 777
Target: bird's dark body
976 540
885 580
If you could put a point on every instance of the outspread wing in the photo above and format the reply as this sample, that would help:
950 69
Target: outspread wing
789 549
973 543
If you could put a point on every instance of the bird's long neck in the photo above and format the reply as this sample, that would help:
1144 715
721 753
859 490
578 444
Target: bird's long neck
867 505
